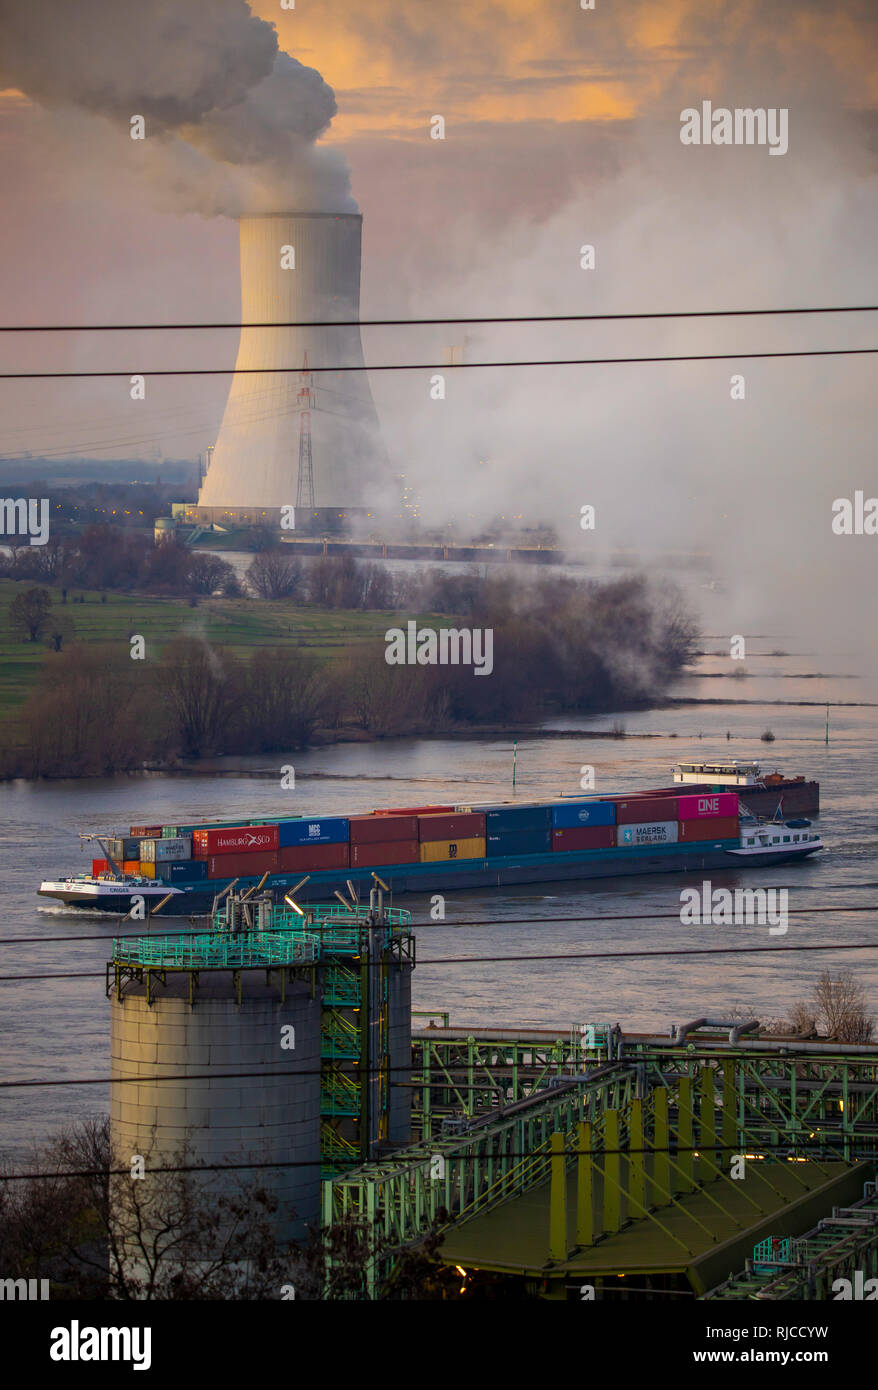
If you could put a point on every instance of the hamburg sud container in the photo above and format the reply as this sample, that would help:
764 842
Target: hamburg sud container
240 839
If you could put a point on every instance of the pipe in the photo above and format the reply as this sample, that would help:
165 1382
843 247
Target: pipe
679 1031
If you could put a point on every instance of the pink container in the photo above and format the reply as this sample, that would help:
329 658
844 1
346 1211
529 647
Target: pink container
708 804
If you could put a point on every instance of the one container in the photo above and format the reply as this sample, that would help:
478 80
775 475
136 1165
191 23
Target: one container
584 837
320 830
709 828
147 868
365 856
647 833
435 850
646 808
189 871
583 813
242 865
331 856
518 818
724 804
241 839
520 842
99 866
145 832
451 827
382 830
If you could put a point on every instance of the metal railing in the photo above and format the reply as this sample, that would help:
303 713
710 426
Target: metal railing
219 951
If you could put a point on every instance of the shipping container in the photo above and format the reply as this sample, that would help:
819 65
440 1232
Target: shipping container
242 865
382 830
519 818
369 855
647 833
127 847
320 830
162 850
145 832
147 870
131 866
99 866
577 813
434 850
724 804
329 856
709 828
412 810
520 841
170 832
240 839
646 808
584 837
451 827
190 870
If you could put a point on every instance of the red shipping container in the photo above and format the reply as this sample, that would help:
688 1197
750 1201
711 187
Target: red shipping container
710 804
413 810
644 808
379 829
584 837
146 832
296 857
99 866
709 828
394 852
461 826
242 839
241 865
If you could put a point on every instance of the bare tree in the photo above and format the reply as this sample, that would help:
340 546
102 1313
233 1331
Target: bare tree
275 574
29 614
842 1008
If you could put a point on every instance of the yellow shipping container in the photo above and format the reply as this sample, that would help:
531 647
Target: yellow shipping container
147 869
432 850
131 866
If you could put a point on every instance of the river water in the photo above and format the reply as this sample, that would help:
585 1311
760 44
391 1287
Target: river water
58 1028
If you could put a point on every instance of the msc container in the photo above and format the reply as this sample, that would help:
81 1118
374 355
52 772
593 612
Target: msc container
145 832
390 852
241 839
323 830
451 827
147 869
382 830
520 841
646 808
709 828
584 837
412 810
583 813
190 870
647 833
242 865
331 856
131 866
724 804
518 818
471 848
99 866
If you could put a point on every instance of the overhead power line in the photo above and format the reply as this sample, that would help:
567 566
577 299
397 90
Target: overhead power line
433 322
443 366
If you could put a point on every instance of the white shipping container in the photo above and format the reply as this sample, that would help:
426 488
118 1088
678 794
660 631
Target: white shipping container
663 832
147 851
179 848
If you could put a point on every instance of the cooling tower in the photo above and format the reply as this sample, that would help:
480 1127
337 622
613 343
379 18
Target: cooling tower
256 459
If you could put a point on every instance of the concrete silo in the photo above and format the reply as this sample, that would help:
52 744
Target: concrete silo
297 267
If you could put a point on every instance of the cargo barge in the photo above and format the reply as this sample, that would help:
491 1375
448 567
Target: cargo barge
179 871
762 793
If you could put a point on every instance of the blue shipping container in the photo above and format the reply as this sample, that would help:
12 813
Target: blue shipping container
183 871
323 830
518 818
520 842
572 813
